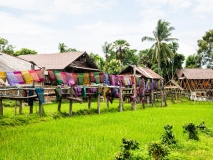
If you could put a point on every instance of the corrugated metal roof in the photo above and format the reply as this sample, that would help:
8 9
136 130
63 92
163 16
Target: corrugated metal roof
9 63
56 60
195 73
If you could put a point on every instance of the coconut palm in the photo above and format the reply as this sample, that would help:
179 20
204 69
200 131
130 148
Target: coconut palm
62 47
120 46
162 35
106 49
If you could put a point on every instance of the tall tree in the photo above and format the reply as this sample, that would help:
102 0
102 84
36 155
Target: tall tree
99 61
106 48
193 61
5 47
145 58
62 47
24 51
174 47
162 34
120 46
205 50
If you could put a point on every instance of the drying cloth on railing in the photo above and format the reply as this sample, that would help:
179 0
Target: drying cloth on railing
92 77
3 76
40 75
11 78
80 78
106 79
19 77
86 78
148 85
121 80
105 91
114 80
58 76
97 77
34 75
92 90
51 75
27 77
70 79
128 80
40 94
64 77
142 84
75 77
58 93
83 91
77 90
101 74
30 100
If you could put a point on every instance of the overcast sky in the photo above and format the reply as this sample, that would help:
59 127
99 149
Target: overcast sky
86 24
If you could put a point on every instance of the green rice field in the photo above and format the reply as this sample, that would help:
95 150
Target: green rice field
91 136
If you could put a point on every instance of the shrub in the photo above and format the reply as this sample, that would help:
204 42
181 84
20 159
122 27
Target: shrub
157 150
202 127
168 137
191 129
126 147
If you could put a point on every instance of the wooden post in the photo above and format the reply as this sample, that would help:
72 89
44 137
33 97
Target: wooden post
152 93
40 109
31 109
71 101
99 99
43 70
20 107
59 105
1 107
107 102
134 89
120 98
89 102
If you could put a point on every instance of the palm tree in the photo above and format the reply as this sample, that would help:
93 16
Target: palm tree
162 35
62 47
106 48
174 47
120 46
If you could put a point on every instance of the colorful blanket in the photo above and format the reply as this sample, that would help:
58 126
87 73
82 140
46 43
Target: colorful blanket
80 78
19 77
34 75
70 79
40 75
11 78
27 77
40 94
64 77
86 80
97 77
58 76
51 75
3 76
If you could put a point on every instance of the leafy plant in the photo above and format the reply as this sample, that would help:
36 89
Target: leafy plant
126 147
157 150
192 130
168 137
202 127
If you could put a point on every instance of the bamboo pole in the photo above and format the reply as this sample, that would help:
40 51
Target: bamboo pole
1 107
134 89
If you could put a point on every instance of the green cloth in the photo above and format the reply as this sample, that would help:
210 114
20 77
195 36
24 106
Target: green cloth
83 91
58 76
58 92
97 77
80 78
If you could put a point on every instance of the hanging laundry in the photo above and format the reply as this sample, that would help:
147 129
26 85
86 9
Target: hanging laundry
34 75
11 78
40 75
80 78
92 77
51 76
3 76
106 79
86 78
40 94
101 74
70 79
97 77
121 80
64 77
75 77
19 77
58 76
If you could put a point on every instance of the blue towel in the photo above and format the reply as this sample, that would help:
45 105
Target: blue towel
107 79
30 100
40 94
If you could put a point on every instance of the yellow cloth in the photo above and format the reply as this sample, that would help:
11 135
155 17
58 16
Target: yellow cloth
86 79
3 76
104 91
27 77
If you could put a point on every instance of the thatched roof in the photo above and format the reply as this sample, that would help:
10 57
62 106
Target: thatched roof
10 63
62 60
146 72
194 73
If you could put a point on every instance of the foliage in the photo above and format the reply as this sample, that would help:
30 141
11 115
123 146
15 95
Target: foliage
162 34
202 127
168 137
107 48
131 57
192 131
145 58
24 51
113 66
63 48
9 103
127 146
157 150
5 47
193 61
98 60
205 50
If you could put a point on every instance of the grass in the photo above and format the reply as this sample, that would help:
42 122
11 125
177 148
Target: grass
93 136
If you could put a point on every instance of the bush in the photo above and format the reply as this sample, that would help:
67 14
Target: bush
168 137
202 127
157 150
191 129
